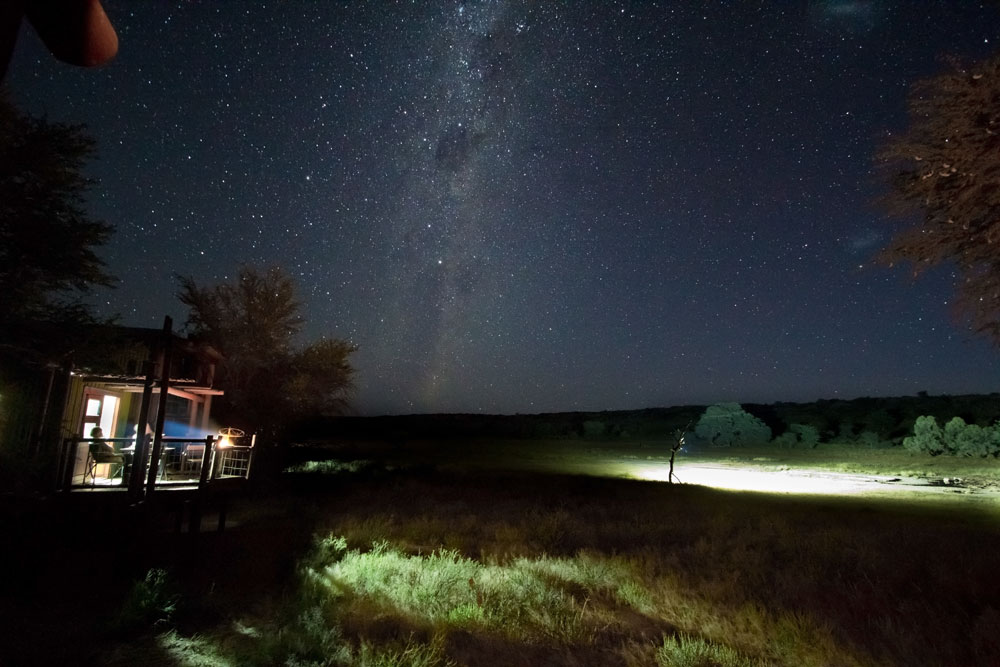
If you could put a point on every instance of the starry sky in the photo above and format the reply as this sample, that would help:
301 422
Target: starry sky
516 206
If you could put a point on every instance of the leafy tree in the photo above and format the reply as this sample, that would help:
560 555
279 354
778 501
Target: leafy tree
964 439
48 265
956 438
729 425
321 378
252 321
927 437
945 171
268 380
48 259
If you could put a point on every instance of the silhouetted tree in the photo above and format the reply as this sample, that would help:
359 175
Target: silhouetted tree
322 378
945 171
268 381
47 239
48 264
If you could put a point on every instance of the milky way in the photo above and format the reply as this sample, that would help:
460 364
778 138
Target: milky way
527 206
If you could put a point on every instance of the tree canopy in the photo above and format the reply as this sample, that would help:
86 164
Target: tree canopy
48 241
48 265
944 171
253 320
729 425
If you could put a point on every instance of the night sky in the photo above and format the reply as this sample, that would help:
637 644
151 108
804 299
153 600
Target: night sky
533 206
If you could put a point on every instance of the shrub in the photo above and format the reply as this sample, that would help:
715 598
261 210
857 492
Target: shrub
927 437
786 440
729 425
970 439
956 438
150 602
330 467
799 435
808 435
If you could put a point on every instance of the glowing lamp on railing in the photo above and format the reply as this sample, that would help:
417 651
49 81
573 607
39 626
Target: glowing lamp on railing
227 435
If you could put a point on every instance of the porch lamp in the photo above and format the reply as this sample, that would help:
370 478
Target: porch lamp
228 434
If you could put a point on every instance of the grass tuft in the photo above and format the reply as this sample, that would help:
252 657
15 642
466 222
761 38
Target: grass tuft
685 651
150 602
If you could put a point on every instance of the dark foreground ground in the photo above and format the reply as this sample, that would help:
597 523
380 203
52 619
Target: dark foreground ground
626 565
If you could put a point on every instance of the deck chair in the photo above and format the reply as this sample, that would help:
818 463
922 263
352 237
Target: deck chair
100 453
192 458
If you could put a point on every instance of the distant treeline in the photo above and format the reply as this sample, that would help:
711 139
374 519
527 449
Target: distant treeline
891 419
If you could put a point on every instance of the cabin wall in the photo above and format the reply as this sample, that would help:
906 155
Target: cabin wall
127 413
73 409
22 403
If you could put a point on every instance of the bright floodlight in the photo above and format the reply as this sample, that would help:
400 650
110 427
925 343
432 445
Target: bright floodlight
744 479
228 434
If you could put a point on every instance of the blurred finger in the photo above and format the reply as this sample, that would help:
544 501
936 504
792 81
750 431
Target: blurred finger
75 31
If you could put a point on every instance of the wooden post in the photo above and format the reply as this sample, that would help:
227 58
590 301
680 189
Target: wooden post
161 413
52 429
253 442
45 410
207 461
206 409
139 455
61 484
193 416
65 475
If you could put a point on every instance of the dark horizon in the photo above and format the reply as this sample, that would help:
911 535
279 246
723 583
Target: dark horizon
523 209
917 396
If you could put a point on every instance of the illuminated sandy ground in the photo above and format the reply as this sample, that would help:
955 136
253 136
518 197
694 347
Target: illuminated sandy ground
786 481
791 481
736 477
639 463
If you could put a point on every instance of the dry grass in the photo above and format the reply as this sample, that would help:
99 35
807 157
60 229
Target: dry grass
472 565
433 567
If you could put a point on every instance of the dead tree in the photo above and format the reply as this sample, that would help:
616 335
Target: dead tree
678 443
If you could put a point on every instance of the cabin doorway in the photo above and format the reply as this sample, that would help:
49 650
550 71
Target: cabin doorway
99 409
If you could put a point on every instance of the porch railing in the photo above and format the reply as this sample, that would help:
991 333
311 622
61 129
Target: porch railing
107 463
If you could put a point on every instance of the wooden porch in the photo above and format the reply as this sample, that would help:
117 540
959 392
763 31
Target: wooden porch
110 464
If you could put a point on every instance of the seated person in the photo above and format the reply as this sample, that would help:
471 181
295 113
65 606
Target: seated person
101 450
